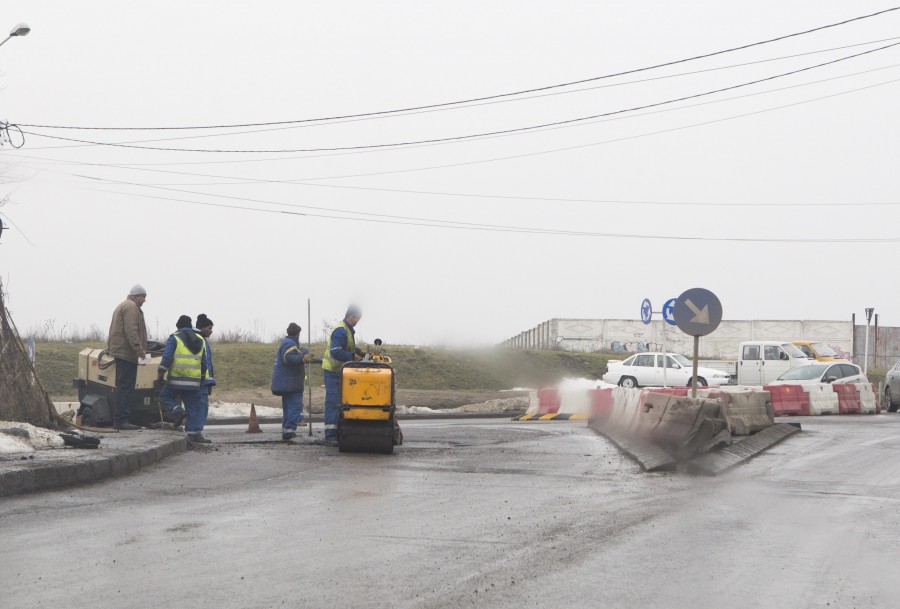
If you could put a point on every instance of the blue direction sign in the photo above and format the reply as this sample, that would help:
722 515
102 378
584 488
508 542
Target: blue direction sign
668 311
698 312
646 311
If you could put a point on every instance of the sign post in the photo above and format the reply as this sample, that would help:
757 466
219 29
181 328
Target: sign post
668 317
697 312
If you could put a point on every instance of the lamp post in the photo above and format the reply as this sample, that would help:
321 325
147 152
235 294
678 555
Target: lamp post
21 29
869 312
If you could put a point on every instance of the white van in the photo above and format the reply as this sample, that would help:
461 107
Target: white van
762 361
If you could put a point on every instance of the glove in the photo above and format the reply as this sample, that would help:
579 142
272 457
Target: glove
307 358
209 389
158 384
356 357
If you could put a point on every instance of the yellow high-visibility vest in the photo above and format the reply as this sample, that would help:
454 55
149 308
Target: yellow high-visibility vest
328 361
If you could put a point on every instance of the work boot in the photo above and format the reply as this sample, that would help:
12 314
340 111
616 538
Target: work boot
126 426
176 417
288 435
197 438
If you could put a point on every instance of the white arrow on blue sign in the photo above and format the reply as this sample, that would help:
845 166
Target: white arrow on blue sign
646 311
668 311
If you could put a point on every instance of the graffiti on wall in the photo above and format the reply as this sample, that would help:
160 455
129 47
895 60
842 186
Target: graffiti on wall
620 347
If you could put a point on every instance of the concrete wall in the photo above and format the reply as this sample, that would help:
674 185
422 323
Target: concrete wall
884 346
629 336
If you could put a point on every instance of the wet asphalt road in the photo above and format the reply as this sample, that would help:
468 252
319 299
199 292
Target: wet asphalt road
475 513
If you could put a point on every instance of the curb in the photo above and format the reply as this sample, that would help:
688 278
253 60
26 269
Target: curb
18 477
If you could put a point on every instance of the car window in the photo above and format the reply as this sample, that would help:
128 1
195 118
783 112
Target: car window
659 361
807 351
773 352
644 360
670 362
629 361
834 371
792 350
751 352
803 373
848 370
824 350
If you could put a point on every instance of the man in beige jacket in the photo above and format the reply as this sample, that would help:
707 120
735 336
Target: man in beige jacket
127 343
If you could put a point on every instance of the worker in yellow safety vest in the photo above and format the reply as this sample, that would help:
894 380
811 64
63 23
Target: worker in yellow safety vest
183 366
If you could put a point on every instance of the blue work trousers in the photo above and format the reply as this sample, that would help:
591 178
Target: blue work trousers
332 403
172 398
204 405
126 377
292 409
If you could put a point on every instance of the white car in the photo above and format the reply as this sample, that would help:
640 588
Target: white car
822 372
646 370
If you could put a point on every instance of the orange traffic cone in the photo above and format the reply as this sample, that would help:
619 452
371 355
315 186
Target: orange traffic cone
253 427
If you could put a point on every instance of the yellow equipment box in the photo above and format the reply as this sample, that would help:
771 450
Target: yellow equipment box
367 387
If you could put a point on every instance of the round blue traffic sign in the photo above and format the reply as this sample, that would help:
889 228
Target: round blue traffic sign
698 312
646 311
668 311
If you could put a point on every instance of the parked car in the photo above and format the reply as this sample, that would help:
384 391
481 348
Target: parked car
646 370
892 388
822 372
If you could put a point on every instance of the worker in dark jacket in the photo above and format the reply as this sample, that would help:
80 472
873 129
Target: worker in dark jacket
288 376
341 349
205 329
184 359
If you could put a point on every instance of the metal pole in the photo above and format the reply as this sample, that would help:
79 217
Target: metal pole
696 355
875 344
869 312
309 342
665 353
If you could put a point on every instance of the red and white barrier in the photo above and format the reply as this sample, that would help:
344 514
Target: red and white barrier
822 399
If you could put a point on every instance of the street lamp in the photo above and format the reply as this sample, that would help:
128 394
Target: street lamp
21 29
869 312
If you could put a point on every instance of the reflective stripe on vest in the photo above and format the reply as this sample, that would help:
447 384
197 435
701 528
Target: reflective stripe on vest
328 361
186 370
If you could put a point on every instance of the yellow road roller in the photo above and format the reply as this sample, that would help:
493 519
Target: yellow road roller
368 421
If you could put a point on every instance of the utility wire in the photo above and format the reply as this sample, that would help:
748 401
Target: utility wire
498 96
517 156
236 180
449 224
475 135
487 103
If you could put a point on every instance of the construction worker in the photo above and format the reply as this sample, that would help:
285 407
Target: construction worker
204 328
127 343
288 376
341 348
184 359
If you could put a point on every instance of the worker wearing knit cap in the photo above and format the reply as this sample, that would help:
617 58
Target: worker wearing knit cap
127 344
288 376
204 327
184 367
341 348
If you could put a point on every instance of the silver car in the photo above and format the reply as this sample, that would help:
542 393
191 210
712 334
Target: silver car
892 388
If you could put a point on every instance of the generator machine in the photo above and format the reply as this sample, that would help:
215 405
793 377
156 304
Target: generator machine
96 384
368 419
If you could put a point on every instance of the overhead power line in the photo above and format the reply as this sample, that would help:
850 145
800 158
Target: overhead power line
487 97
140 166
449 224
475 135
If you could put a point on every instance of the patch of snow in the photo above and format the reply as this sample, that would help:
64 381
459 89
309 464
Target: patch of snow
491 406
38 438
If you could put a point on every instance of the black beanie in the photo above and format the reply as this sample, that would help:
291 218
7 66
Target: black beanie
183 322
203 321
293 329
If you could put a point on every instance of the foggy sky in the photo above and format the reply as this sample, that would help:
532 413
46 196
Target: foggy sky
207 232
